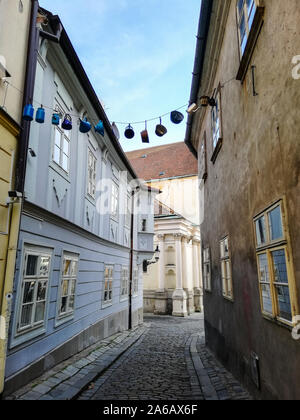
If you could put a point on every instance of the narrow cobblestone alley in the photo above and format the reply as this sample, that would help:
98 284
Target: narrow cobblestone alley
164 359
160 366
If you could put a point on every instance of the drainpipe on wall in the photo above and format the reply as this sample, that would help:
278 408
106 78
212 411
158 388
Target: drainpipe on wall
131 259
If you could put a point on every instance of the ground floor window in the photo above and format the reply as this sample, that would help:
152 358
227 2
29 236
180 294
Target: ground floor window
124 282
108 284
35 283
135 281
68 284
276 279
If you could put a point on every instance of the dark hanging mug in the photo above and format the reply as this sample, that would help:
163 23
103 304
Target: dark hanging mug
145 136
177 117
85 126
160 130
129 133
67 123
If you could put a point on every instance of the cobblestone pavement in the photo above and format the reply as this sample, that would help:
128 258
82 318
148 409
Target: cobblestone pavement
165 359
165 365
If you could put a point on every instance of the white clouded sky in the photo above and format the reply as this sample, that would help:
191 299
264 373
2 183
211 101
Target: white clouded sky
139 56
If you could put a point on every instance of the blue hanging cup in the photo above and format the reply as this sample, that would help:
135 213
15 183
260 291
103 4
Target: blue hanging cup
99 128
85 126
55 119
28 112
67 122
177 117
40 115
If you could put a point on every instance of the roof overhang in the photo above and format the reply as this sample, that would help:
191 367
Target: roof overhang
204 23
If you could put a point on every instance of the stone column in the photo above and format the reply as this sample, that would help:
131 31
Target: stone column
179 296
161 296
196 275
187 286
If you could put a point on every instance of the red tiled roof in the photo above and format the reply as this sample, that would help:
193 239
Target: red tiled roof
167 161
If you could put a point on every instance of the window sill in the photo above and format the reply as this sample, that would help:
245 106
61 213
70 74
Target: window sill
106 305
27 335
229 299
279 321
252 39
63 319
124 298
217 151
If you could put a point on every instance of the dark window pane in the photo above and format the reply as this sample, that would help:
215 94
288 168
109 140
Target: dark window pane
31 268
276 231
280 270
284 302
261 231
28 292
42 288
26 316
63 307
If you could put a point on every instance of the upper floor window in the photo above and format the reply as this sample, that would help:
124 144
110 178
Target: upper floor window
114 200
276 279
249 22
246 12
92 168
227 285
216 126
128 211
206 269
35 279
61 152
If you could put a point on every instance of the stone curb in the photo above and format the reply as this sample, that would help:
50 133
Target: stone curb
209 392
68 384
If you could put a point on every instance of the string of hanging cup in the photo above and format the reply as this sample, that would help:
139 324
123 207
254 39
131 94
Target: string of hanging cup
85 125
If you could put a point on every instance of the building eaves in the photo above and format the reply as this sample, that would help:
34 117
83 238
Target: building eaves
204 23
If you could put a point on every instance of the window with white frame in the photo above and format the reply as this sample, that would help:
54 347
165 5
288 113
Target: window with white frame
128 211
216 122
245 13
92 168
68 284
226 271
35 282
114 200
206 269
124 282
135 282
275 272
61 152
108 284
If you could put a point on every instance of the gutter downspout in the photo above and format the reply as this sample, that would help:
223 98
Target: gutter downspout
17 204
131 262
